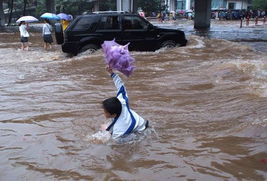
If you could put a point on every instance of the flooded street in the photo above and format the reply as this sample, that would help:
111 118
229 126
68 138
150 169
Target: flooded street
206 102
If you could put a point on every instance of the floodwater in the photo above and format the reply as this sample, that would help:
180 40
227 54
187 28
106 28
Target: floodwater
206 102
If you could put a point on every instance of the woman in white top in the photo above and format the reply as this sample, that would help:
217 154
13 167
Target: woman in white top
24 35
47 35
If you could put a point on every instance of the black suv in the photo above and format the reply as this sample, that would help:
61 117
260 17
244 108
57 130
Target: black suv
88 32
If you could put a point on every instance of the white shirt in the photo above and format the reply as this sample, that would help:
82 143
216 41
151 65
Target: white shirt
128 121
47 29
23 31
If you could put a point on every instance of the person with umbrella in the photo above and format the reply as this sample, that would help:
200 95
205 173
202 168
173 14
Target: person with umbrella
23 29
24 35
65 20
47 34
47 29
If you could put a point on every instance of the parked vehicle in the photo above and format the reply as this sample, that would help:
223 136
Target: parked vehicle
88 32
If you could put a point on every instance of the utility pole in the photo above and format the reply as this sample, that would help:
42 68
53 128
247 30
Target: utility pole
202 14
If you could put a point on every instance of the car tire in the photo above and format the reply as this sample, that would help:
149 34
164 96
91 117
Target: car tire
59 33
90 48
168 44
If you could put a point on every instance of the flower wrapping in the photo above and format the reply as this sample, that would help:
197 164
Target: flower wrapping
118 57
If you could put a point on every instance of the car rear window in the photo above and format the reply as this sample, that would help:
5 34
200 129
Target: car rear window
84 24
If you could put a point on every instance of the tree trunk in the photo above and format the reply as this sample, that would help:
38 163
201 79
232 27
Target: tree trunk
11 4
2 15
50 6
24 7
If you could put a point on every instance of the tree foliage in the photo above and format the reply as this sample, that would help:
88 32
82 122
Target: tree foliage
259 4
107 5
17 8
2 18
149 6
77 7
74 7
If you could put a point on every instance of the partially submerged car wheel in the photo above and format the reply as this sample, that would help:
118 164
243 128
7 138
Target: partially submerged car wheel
168 44
90 48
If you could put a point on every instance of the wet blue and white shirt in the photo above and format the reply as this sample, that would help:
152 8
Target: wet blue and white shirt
128 121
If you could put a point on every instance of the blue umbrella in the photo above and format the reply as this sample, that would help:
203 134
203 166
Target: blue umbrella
64 16
50 16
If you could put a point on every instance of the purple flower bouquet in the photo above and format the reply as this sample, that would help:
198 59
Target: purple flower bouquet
118 57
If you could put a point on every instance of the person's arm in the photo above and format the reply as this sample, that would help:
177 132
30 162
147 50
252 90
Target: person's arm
50 28
27 26
121 90
20 29
103 127
43 30
116 79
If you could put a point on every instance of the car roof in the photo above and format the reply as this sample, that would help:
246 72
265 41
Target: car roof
100 13
111 12
108 13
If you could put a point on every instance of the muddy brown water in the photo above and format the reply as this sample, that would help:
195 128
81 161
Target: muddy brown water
207 104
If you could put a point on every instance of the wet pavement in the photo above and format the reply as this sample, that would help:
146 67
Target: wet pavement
252 35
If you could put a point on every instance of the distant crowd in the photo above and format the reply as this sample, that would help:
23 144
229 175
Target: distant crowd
240 14
215 14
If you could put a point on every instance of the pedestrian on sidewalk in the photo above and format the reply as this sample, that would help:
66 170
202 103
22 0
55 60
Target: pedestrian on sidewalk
47 35
24 35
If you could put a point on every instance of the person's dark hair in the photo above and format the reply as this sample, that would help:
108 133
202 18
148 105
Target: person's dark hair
112 105
47 21
20 23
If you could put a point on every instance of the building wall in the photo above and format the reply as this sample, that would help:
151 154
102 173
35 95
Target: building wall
174 5
241 4
218 4
125 5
